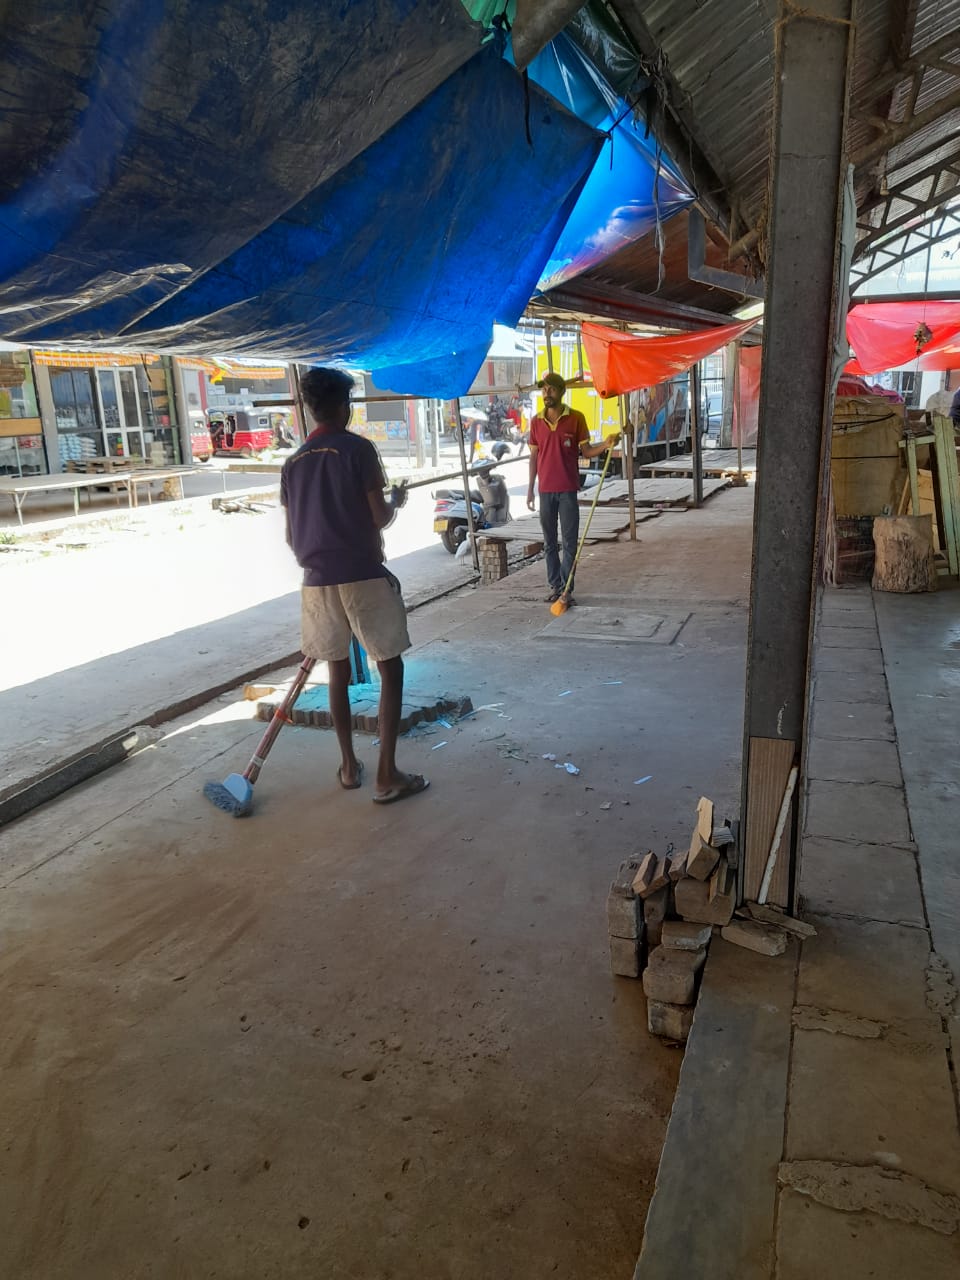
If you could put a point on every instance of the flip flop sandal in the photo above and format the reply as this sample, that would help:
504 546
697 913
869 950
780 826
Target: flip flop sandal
412 787
351 786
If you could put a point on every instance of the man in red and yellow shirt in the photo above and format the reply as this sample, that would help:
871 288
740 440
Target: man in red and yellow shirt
558 436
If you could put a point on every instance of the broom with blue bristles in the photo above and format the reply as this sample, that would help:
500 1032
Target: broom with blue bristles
235 794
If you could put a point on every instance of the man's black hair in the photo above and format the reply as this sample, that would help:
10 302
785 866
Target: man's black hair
325 391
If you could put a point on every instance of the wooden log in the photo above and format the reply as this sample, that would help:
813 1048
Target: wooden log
904 560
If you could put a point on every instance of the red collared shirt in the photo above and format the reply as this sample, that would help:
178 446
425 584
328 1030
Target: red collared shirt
558 450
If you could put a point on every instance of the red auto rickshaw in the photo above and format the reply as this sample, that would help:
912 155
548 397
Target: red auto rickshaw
238 433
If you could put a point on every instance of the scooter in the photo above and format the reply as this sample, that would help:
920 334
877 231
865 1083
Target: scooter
491 507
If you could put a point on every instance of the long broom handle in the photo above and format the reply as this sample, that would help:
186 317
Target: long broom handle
586 527
278 720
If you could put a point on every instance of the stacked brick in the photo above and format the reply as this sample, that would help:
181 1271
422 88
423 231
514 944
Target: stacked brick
662 912
492 554
646 937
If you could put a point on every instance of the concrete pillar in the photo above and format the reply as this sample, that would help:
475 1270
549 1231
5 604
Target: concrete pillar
814 48
48 416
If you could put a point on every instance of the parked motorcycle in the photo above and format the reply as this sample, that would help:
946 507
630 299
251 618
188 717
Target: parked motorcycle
491 507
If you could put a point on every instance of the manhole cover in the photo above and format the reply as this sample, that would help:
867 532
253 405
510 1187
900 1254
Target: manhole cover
623 626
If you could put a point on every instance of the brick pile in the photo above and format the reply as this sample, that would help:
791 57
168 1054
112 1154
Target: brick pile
492 554
662 912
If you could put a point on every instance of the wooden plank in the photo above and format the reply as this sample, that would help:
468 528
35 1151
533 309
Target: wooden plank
648 491
769 763
716 462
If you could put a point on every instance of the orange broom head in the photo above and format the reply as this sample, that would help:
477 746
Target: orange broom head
559 606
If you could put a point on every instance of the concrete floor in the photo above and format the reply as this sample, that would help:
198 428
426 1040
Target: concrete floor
339 1041
842 1158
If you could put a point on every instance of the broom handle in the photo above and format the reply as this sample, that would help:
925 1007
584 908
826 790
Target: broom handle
586 527
277 721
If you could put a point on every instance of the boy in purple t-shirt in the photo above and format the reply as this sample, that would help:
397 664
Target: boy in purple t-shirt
332 489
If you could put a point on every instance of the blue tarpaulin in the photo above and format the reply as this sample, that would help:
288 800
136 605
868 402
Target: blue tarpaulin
305 179
632 186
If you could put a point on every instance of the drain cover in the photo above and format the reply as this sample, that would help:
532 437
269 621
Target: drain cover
622 626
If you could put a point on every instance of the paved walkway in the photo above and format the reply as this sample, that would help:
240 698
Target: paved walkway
816 1122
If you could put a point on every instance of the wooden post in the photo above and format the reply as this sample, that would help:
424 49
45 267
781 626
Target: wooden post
626 452
695 441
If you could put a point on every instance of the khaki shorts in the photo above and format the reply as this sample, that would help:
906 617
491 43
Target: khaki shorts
373 611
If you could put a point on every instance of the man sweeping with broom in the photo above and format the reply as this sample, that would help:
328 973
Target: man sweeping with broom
558 438
332 489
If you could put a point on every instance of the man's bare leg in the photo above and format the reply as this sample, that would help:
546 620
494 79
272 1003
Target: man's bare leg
339 695
391 704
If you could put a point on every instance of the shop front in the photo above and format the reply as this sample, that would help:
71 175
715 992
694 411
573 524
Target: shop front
22 451
110 404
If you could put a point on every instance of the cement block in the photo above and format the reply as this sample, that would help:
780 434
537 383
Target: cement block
693 902
875 1101
680 935
815 1242
864 967
671 1021
869 661
860 720
654 913
702 860
832 760
866 812
624 918
763 939
852 686
876 882
671 976
846 637
623 884
532 549
625 957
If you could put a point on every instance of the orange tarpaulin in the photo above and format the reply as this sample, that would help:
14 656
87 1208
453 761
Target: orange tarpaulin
622 362
884 334
746 403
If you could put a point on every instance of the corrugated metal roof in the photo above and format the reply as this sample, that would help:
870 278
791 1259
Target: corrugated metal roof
720 56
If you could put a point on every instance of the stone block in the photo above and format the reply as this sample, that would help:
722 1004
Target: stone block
872 881
671 976
624 918
693 902
867 721
654 913
836 760
678 866
702 860
861 811
533 548
623 884
625 957
762 938
681 935
721 836
671 1021
721 882
645 872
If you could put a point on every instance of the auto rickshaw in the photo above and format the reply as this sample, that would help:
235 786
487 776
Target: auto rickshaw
240 433
201 446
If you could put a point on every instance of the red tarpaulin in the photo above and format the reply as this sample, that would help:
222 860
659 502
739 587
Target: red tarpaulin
883 334
622 362
746 404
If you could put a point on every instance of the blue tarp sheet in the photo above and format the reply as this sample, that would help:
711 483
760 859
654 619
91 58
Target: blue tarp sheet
345 182
304 179
631 188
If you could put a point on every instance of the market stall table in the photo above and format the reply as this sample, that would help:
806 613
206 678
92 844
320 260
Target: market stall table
149 474
20 489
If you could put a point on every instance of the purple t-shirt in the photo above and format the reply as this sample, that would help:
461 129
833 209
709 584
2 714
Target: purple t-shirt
324 488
